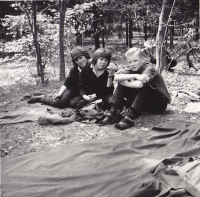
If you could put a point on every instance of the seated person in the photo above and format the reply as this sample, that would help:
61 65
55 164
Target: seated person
68 95
96 81
142 88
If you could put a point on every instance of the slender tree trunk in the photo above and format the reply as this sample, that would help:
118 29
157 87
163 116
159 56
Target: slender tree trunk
161 53
102 32
37 45
145 31
172 35
96 35
127 31
130 33
61 39
197 29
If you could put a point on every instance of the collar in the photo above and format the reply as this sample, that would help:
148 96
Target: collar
79 69
94 71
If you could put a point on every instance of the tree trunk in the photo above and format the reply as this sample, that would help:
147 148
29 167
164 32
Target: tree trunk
197 29
37 45
102 32
161 53
61 39
127 31
145 31
130 33
96 35
172 35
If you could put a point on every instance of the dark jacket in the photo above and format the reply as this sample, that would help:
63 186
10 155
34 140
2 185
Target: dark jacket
89 83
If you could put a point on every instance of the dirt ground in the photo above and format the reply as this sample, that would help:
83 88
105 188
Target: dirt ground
17 79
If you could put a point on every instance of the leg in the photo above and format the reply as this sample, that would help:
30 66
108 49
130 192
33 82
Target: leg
106 100
119 95
73 102
81 103
117 101
62 103
148 100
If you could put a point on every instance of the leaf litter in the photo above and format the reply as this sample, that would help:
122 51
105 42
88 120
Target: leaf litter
24 138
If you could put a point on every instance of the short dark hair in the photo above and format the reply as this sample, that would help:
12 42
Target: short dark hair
101 52
77 52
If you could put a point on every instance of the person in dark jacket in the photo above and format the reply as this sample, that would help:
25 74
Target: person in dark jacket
140 88
96 81
68 95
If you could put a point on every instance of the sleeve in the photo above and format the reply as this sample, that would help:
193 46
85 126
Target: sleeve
83 84
150 71
71 79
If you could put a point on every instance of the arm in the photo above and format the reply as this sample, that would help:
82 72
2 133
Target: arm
125 77
62 90
60 93
110 81
132 84
111 73
148 74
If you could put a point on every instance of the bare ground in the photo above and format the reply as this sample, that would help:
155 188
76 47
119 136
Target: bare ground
18 79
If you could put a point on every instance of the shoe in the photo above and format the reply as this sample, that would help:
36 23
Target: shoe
107 120
34 100
125 123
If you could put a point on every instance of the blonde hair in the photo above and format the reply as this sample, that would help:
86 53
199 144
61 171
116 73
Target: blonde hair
139 51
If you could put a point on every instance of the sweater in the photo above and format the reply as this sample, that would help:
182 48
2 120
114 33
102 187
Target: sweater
89 83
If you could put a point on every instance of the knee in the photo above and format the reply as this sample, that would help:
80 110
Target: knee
161 108
81 104
73 103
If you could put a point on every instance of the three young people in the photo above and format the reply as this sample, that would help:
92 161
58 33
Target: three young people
140 87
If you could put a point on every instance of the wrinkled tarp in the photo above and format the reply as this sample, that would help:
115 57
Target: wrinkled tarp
37 112
164 163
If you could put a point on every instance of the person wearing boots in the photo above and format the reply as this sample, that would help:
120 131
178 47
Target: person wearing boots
140 88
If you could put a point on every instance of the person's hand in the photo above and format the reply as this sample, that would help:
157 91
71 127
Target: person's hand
112 68
111 72
56 98
89 97
143 78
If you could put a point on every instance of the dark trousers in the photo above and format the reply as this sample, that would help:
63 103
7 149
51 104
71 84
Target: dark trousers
69 98
142 99
105 98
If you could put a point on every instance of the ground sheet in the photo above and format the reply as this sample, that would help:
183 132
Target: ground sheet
44 114
164 163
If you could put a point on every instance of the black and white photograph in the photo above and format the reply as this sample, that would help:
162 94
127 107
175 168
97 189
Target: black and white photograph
99 98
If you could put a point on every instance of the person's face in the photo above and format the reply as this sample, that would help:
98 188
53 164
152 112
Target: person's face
101 63
134 62
81 61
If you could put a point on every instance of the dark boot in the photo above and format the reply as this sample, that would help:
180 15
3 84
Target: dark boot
110 115
128 120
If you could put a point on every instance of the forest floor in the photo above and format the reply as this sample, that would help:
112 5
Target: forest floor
18 79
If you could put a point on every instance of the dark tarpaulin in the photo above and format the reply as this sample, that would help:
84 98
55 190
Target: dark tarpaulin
164 163
38 112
